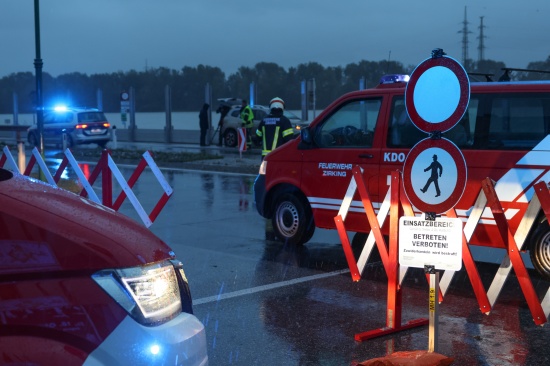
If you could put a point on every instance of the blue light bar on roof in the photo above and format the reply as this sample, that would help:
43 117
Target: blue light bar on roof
60 108
394 78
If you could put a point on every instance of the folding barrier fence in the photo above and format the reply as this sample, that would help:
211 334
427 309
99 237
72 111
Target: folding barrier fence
108 170
395 205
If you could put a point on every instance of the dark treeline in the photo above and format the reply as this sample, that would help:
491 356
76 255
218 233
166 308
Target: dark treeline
188 84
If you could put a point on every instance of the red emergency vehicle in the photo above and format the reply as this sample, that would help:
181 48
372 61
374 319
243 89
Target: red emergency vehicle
83 284
503 135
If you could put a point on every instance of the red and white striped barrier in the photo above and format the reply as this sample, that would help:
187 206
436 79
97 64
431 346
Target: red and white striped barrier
108 170
241 140
395 204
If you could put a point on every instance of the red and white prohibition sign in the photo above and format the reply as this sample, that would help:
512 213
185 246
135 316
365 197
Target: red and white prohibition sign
437 94
435 172
434 175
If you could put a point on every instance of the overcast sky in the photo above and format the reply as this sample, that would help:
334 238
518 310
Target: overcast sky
105 36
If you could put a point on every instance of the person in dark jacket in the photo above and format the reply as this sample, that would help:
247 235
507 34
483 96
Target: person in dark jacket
203 123
275 129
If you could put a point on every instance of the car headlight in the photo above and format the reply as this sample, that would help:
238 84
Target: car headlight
150 293
263 167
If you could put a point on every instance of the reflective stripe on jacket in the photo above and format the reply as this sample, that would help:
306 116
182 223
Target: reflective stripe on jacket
274 131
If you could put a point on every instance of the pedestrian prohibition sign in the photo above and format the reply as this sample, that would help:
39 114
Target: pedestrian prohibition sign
434 175
437 96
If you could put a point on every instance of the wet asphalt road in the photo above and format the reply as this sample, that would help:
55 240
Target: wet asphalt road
265 303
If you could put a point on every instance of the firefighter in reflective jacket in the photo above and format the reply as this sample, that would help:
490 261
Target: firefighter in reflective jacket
275 129
247 119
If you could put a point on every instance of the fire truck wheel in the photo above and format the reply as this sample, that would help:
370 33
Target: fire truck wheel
540 249
293 220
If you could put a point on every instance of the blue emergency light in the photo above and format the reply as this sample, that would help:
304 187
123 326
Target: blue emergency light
394 78
60 108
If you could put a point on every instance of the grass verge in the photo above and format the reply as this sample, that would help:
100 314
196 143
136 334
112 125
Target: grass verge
135 155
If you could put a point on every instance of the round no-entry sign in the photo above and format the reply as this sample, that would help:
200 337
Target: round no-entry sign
434 175
437 94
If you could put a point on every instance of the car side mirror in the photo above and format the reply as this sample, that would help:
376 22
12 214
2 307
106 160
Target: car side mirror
305 134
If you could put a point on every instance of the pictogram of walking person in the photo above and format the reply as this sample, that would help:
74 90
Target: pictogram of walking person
435 166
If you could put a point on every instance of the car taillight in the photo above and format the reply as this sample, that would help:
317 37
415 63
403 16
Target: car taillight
81 126
106 124
150 294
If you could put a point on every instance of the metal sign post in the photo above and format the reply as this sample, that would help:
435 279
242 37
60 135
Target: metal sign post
433 318
312 95
168 112
436 97
124 107
303 92
132 100
38 64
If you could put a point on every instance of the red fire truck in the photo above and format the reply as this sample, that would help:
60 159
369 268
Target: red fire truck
503 135
83 284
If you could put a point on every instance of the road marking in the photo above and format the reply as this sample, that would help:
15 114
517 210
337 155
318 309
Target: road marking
253 290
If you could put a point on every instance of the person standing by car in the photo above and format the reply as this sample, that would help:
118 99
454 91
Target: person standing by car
203 123
222 110
275 129
247 118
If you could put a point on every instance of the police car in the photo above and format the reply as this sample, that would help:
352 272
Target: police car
503 135
65 126
81 284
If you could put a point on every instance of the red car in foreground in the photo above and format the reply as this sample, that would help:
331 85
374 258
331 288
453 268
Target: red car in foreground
83 284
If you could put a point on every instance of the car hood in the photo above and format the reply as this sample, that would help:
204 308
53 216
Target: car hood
53 229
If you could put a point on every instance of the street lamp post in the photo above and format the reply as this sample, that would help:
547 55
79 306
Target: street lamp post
38 70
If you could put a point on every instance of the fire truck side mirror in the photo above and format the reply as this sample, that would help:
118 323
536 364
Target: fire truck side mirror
305 134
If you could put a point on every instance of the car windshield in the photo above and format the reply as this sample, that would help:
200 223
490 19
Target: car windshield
91 117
